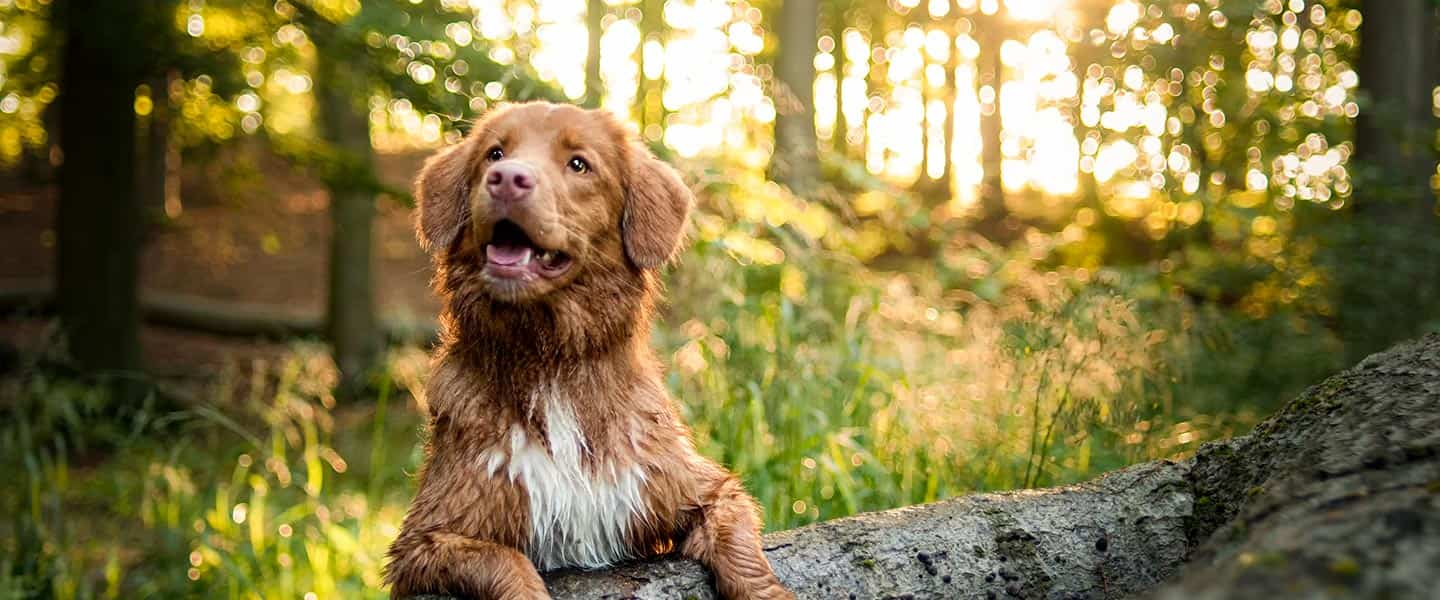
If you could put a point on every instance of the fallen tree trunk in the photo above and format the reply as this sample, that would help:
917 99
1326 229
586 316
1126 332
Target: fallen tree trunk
1337 495
1115 536
218 317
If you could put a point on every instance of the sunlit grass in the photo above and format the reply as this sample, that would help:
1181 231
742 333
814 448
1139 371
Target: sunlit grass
835 390
262 491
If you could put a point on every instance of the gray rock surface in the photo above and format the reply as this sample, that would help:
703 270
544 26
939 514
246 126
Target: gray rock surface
1335 496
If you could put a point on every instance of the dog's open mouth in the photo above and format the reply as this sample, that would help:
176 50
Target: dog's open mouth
510 254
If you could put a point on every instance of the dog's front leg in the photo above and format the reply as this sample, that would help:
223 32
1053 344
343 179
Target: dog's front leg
445 563
726 538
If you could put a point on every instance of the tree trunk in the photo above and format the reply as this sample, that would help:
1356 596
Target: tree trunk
594 87
98 221
991 72
924 184
39 165
1396 133
1083 54
795 162
839 140
649 105
1391 261
952 94
342 96
156 167
940 189
1031 545
1334 496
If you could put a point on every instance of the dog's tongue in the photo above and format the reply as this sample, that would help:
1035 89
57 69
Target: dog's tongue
507 255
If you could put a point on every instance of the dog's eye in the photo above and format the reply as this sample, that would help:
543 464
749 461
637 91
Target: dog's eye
495 154
579 165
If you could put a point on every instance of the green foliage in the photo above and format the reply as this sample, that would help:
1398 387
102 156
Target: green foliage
401 38
257 501
27 76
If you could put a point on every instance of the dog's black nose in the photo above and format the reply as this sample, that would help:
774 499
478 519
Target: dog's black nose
510 181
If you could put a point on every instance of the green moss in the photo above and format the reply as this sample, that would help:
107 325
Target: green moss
1261 560
1238 530
1345 566
1324 392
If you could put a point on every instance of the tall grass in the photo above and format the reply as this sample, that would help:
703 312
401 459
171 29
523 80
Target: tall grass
263 491
835 390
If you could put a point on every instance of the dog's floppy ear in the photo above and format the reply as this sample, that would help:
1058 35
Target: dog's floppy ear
656 205
442 197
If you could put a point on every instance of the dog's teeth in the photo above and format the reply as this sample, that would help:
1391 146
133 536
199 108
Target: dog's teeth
547 256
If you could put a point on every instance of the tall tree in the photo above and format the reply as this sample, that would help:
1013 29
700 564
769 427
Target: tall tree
940 188
1089 16
837 24
649 107
342 95
158 157
946 182
1395 249
991 71
595 28
98 221
1396 134
795 162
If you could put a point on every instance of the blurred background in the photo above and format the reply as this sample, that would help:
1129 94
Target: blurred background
941 246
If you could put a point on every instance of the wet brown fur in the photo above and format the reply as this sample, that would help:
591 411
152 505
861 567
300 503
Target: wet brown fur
586 334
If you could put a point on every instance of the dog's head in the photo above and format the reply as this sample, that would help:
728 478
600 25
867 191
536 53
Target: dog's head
543 198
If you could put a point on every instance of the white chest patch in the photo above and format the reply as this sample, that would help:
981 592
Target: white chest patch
578 518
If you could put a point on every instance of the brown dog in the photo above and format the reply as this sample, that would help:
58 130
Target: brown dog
553 442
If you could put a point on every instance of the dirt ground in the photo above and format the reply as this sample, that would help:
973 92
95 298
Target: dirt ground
250 230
